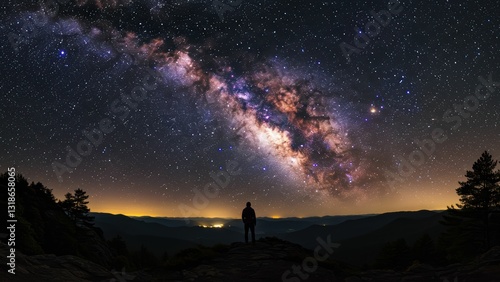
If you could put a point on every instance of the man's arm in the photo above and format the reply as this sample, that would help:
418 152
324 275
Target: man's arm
254 218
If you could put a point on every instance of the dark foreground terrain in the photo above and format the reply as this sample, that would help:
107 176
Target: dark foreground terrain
267 260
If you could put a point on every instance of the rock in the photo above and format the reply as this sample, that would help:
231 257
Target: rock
55 268
419 268
485 268
353 279
206 271
95 246
267 260
493 255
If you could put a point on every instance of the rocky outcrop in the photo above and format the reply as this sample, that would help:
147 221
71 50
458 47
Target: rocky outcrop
485 269
94 246
53 268
269 259
264 261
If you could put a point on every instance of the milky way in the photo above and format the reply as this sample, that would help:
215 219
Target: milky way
276 112
265 79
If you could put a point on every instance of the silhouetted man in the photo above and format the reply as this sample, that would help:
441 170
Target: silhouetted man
249 219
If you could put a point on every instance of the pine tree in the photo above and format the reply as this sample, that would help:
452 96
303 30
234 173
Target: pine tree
81 211
68 204
76 208
481 192
479 198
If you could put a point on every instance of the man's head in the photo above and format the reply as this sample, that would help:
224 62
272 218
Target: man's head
249 204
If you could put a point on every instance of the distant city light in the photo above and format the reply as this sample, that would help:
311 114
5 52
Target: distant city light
211 226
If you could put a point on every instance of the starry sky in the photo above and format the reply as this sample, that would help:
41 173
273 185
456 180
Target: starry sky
192 108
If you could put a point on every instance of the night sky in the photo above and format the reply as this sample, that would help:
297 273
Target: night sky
193 108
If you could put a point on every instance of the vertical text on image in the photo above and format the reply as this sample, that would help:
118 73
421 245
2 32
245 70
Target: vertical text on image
11 219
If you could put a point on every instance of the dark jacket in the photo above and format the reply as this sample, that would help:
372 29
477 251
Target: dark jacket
248 216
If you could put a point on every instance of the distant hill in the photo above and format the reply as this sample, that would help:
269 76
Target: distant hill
159 238
266 225
167 221
362 239
350 228
160 234
275 227
361 236
364 248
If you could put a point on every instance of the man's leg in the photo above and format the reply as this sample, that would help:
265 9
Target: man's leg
246 232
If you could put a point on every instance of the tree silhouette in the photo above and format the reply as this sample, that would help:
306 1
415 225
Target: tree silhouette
479 195
42 226
76 207
394 255
68 204
118 245
424 250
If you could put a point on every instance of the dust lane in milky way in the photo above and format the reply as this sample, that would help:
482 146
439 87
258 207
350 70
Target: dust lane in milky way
276 112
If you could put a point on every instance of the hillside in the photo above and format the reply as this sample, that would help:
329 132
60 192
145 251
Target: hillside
159 238
363 249
360 236
268 260
267 226
43 227
350 228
